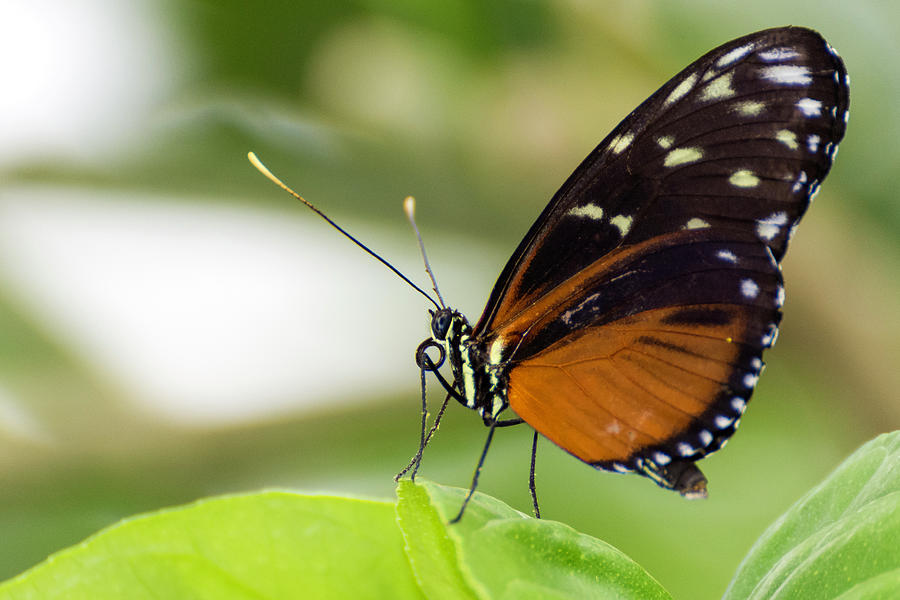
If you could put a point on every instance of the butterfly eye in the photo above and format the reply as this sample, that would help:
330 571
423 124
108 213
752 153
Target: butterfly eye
440 323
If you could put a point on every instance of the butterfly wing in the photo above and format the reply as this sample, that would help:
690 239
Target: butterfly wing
740 139
632 318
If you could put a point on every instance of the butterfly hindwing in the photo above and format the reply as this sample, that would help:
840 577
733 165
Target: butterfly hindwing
661 362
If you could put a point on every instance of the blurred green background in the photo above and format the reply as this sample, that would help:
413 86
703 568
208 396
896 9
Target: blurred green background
172 326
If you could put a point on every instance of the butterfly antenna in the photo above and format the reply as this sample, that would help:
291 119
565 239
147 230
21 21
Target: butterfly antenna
265 171
409 207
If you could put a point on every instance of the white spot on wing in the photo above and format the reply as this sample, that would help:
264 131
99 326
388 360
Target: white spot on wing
812 143
749 108
777 54
738 404
706 438
734 55
696 223
800 182
681 89
590 211
809 107
685 449
665 142
750 380
749 288
787 74
788 138
661 458
680 156
620 142
770 336
623 223
723 422
769 227
719 88
779 296
727 256
744 178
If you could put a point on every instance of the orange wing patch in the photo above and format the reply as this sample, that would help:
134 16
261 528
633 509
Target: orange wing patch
627 385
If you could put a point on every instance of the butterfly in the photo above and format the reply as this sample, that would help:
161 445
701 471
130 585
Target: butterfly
628 326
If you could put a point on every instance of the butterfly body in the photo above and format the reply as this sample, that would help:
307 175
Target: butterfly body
628 326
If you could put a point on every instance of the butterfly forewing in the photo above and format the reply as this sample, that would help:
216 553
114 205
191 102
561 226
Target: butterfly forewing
740 139
633 316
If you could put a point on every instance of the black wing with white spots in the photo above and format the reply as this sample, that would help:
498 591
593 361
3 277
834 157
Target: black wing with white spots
738 141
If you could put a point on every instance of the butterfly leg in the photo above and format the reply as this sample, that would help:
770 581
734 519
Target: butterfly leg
531 488
425 438
487 444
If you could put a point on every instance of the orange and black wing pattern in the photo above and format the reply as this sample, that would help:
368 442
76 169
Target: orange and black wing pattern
630 322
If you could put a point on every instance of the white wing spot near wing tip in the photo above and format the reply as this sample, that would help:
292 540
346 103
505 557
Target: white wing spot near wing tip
750 108
779 296
727 256
623 223
696 223
846 116
831 49
706 438
739 404
788 138
769 227
812 143
847 79
620 142
590 211
749 288
665 142
810 107
743 178
787 74
769 338
719 88
776 54
735 55
680 156
681 89
799 183
750 380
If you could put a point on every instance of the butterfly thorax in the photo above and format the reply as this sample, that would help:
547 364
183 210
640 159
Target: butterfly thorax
478 377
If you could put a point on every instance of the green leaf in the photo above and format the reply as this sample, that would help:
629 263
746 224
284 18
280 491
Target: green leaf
267 545
841 540
501 553
431 553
